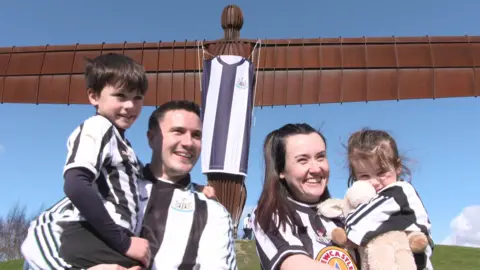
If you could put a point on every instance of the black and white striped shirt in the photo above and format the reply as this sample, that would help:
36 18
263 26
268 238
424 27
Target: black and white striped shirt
313 240
97 145
396 207
185 229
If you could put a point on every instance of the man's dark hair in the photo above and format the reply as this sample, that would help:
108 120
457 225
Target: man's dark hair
117 70
158 114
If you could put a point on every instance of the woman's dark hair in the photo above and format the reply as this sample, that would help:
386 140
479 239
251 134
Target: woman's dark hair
273 200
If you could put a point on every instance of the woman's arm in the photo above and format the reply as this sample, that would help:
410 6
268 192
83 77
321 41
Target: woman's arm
303 262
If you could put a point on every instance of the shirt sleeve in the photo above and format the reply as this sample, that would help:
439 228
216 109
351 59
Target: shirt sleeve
89 145
78 188
274 247
395 208
217 245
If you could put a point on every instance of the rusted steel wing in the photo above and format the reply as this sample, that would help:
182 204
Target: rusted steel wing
290 72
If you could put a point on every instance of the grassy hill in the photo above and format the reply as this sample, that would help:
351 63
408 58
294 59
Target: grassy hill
444 258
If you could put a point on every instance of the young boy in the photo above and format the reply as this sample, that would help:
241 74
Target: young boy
97 221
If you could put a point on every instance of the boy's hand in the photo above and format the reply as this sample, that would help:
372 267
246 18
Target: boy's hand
139 250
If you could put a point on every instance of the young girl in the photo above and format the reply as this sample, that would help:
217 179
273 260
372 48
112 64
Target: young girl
373 156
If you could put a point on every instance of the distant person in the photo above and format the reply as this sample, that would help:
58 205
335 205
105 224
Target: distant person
374 157
100 218
288 232
247 228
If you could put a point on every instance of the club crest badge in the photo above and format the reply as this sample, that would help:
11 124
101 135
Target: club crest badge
183 205
323 238
241 83
337 258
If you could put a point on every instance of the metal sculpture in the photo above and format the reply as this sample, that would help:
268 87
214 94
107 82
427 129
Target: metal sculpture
289 72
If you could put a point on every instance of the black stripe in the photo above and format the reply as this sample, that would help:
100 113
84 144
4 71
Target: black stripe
207 65
105 140
302 234
40 247
248 121
131 181
362 215
222 117
231 260
200 216
262 256
277 260
156 215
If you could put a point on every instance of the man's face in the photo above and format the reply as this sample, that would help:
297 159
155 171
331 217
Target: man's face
179 143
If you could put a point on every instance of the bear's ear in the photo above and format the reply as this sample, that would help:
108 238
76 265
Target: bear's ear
331 208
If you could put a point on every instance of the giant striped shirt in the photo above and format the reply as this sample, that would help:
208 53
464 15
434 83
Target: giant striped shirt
98 146
313 240
227 103
185 229
396 207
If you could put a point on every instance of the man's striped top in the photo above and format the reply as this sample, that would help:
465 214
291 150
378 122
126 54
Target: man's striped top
227 103
312 240
185 229
396 207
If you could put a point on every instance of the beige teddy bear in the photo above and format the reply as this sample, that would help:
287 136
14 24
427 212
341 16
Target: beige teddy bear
401 243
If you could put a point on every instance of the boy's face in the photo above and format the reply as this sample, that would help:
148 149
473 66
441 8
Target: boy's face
122 108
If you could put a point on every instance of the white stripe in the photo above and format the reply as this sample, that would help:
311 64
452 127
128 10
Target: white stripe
210 113
172 249
236 128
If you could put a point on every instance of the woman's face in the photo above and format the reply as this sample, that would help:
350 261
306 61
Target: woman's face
306 167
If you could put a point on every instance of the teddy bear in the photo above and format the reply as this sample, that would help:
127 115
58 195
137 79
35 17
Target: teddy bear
402 244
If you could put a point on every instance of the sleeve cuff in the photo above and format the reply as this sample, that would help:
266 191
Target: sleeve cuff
283 254
355 237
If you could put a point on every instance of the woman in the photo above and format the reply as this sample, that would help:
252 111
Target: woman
288 232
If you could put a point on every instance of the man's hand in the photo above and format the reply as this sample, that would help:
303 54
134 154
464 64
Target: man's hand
208 191
139 250
112 267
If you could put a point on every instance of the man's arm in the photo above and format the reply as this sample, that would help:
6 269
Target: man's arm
216 250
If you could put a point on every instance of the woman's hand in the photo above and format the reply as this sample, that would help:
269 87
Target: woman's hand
300 261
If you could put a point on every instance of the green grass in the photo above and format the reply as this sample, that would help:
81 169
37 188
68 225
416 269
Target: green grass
444 258
11 265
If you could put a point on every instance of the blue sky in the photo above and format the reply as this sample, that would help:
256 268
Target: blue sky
440 136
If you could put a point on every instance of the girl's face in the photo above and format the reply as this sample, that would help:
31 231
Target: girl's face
306 167
378 177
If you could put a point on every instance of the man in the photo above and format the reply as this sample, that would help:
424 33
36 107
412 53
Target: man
247 228
184 228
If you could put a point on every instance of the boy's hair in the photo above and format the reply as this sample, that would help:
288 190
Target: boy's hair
158 114
374 146
116 70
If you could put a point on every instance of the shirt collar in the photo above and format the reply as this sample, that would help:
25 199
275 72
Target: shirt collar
183 184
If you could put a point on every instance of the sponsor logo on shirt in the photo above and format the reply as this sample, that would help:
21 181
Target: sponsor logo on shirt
337 258
183 205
